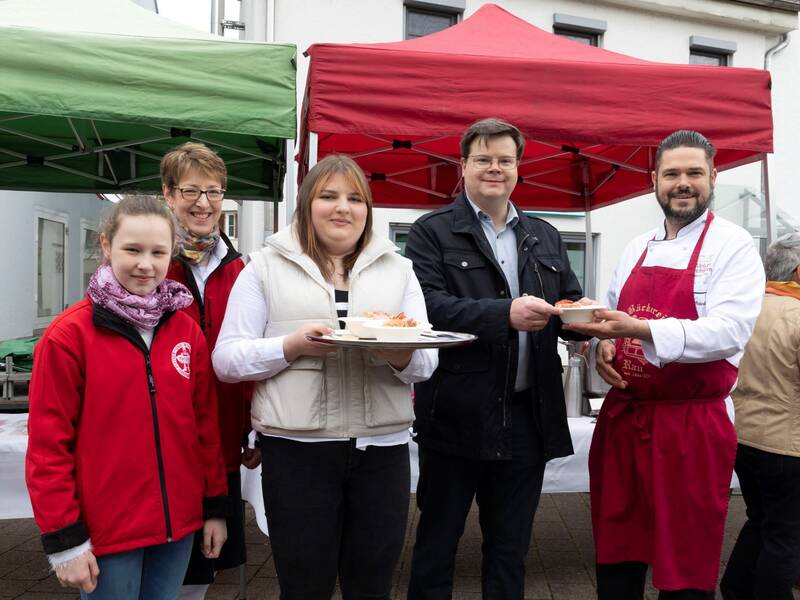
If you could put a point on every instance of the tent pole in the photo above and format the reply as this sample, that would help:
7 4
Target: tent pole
772 217
313 148
588 268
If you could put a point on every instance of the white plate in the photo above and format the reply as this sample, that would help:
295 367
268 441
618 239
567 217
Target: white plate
580 314
428 339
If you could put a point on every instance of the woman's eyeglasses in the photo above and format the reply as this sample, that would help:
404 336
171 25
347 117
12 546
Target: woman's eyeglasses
193 194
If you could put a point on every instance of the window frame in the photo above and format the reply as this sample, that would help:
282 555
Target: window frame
569 26
398 228
47 214
722 50
431 8
88 226
580 237
226 216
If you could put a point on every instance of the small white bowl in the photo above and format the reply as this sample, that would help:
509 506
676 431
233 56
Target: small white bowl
580 314
385 333
356 326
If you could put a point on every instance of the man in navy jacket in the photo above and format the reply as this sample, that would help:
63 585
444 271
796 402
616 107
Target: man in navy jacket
493 413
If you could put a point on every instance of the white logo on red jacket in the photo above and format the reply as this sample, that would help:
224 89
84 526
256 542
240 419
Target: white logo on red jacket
182 357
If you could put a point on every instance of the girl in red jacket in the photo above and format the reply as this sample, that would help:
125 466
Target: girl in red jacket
124 461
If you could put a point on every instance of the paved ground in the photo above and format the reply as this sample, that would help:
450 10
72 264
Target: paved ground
560 563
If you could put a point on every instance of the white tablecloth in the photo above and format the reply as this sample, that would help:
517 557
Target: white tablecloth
568 474
14 501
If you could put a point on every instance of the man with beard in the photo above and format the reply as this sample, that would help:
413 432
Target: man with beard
683 302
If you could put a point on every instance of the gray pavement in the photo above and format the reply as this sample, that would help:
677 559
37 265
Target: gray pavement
560 562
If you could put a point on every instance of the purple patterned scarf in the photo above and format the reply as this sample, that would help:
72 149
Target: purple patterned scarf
140 311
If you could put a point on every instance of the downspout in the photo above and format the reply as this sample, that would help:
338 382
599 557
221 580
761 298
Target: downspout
771 211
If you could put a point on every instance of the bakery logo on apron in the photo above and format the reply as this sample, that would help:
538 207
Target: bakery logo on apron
633 358
182 357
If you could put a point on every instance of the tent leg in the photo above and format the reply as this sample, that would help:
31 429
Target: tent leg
589 283
772 217
589 291
313 148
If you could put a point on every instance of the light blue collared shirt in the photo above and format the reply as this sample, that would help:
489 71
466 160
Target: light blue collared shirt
504 247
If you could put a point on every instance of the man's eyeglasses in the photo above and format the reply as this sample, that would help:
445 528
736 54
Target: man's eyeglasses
193 194
484 162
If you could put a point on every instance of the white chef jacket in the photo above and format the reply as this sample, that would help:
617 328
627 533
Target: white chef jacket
728 291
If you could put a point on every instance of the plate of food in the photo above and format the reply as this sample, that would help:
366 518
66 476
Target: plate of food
574 312
392 332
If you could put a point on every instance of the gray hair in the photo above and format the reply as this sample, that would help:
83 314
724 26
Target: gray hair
783 257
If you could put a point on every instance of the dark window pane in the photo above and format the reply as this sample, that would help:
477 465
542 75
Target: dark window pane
576 253
590 39
420 22
707 58
400 239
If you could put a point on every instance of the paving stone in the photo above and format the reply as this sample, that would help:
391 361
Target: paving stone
13 542
12 588
223 591
572 591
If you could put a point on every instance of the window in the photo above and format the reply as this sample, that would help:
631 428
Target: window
590 39
576 253
230 223
90 253
708 58
579 29
709 51
50 241
398 233
423 18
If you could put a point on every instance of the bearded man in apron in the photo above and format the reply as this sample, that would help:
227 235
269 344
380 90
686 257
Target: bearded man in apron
683 302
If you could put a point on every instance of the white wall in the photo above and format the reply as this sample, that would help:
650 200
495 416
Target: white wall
18 252
786 120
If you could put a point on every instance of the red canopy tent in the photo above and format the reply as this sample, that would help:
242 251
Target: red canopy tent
592 118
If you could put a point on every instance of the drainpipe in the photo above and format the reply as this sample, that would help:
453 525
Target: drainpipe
772 213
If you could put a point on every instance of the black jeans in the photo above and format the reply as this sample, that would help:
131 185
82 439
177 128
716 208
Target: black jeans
625 581
766 558
507 493
335 510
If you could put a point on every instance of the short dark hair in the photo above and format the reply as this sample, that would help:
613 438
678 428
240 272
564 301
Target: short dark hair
686 138
490 128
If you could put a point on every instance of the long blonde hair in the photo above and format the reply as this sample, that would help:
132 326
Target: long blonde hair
317 177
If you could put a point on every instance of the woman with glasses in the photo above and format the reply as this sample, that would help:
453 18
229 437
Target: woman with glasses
193 179
332 423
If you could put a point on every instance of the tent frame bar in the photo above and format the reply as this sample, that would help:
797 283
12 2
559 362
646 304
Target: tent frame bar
101 150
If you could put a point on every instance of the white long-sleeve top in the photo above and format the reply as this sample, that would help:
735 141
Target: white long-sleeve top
728 290
243 353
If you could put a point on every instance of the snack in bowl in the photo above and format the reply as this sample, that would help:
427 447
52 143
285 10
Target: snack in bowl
566 304
398 328
355 325
575 312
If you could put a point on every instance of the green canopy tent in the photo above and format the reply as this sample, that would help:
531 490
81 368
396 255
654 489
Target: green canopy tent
95 91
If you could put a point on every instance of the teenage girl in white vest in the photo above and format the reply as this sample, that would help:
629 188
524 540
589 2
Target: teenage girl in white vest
332 424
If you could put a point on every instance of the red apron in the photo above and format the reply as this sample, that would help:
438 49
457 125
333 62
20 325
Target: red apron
663 449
